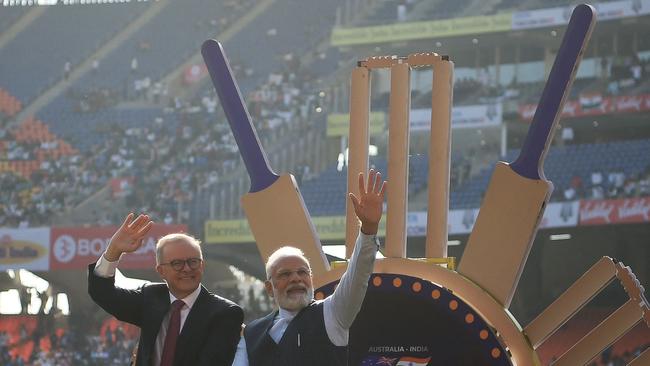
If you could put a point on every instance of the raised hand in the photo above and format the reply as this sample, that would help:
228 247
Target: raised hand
129 237
369 205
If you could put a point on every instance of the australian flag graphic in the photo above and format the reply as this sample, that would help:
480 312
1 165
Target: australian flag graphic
377 360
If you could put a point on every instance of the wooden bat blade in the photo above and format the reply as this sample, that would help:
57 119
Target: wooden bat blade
278 217
501 239
510 199
274 206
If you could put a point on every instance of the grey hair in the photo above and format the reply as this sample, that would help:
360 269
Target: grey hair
175 237
283 253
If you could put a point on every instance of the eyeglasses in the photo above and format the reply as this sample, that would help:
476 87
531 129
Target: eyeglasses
285 275
179 264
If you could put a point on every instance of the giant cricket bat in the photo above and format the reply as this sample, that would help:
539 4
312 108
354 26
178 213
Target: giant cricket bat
517 194
274 206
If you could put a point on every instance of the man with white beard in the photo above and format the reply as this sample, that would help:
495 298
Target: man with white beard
304 331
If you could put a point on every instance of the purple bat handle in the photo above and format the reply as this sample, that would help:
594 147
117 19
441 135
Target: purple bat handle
531 157
238 117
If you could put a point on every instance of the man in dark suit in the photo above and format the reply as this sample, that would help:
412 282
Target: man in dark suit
181 322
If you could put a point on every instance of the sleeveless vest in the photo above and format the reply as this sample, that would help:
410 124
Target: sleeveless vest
304 343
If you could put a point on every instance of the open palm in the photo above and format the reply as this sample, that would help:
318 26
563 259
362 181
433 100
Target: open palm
369 205
130 236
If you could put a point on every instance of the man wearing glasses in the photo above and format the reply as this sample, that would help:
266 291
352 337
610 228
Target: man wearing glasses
181 322
303 331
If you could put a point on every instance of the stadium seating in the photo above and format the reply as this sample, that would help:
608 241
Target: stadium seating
629 157
10 15
9 105
61 34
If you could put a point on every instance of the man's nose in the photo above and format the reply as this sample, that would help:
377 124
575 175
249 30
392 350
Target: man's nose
295 277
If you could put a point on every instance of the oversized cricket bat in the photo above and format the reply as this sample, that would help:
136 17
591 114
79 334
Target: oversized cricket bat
517 194
274 206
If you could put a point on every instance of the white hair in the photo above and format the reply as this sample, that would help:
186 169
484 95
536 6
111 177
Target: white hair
172 238
283 253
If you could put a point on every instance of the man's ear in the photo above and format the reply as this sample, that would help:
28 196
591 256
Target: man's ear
159 269
268 286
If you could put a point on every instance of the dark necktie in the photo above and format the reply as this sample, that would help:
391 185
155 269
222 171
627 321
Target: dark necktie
173 329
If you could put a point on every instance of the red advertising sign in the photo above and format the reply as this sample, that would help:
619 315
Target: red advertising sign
621 211
76 247
594 106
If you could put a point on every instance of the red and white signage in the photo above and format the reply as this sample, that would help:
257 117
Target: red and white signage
76 247
621 211
595 106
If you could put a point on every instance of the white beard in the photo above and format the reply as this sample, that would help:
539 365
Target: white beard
295 302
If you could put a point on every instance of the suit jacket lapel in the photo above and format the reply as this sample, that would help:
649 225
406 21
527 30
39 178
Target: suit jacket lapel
159 307
196 319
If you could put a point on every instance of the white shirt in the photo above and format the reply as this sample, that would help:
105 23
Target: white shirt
105 268
340 308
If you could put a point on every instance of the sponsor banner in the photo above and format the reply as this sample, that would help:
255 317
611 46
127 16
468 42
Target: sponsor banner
550 17
238 231
461 221
622 9
620 211
25 249
194 73
333 227
227 231
421 30
76 247
594 105
560 214
338 124
416 223
541 18
556 214
560 16
475 116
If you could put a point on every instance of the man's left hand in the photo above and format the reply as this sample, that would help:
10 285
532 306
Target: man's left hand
369 205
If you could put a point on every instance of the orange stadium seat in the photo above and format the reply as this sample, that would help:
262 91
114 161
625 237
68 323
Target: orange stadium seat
130 331
11 325
8 103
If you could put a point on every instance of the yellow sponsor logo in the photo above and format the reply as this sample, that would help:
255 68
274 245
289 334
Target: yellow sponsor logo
228 231
19 251
238 231
421 30
338 124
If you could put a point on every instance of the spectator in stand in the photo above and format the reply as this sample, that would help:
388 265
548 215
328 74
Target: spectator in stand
569 194
615 183
644 183
597 191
